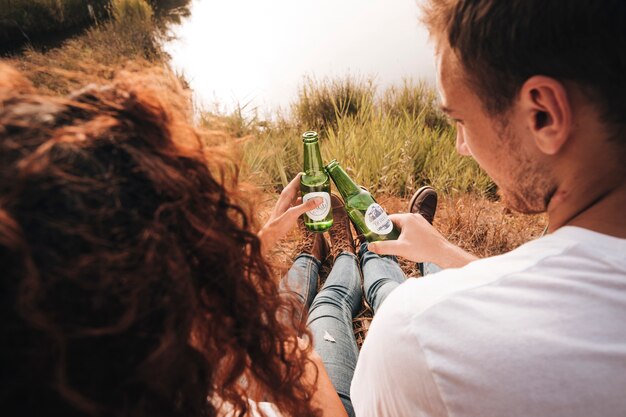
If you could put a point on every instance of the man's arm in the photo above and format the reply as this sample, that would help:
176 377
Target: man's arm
419 241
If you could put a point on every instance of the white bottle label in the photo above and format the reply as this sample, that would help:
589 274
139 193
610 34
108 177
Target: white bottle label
377 220
321 211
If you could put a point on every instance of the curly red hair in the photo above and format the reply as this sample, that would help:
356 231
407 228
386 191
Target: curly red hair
132 281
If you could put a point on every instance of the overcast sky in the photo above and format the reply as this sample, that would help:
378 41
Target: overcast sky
258 50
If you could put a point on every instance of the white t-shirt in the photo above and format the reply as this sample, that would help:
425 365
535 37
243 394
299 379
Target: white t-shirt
540 331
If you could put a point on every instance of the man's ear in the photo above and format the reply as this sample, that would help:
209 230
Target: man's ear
548 111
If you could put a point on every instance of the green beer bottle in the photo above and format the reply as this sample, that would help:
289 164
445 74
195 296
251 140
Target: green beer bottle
315 183
366 214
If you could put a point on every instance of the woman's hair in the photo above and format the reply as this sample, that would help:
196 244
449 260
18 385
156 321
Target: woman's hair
132 283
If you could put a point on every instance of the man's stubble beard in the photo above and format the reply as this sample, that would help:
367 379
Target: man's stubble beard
530 187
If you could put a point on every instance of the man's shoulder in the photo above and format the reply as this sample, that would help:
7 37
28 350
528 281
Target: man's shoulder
417 295
533 262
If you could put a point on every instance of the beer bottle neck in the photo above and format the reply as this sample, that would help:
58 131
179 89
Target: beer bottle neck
312 158
344 183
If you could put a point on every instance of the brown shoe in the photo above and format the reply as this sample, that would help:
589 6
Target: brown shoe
312 243
340 233
424 202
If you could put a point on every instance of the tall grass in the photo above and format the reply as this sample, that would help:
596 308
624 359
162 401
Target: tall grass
131 32
131 12
415 100
322 103
399 154
391 143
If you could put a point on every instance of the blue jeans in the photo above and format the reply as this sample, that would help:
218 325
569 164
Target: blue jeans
332 310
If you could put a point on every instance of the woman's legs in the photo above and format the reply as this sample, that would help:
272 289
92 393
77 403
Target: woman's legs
381 275
301 281
330 314
334 307
330 321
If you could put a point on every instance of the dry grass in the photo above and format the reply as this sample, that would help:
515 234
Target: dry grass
480 226
486 228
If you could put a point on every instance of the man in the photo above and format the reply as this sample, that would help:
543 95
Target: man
537 90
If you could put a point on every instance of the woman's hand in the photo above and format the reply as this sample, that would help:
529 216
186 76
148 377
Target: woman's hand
285 214
419 241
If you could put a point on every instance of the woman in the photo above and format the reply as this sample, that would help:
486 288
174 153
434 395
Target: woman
132 281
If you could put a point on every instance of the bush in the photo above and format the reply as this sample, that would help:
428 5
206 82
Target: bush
321 103
20 20
415 100
23 21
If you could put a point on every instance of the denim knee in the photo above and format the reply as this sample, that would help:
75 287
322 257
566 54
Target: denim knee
339 298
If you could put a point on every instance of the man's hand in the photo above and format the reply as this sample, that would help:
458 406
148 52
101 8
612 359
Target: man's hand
285 214
419 241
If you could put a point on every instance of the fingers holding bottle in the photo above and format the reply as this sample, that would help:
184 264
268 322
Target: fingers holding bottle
419 241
